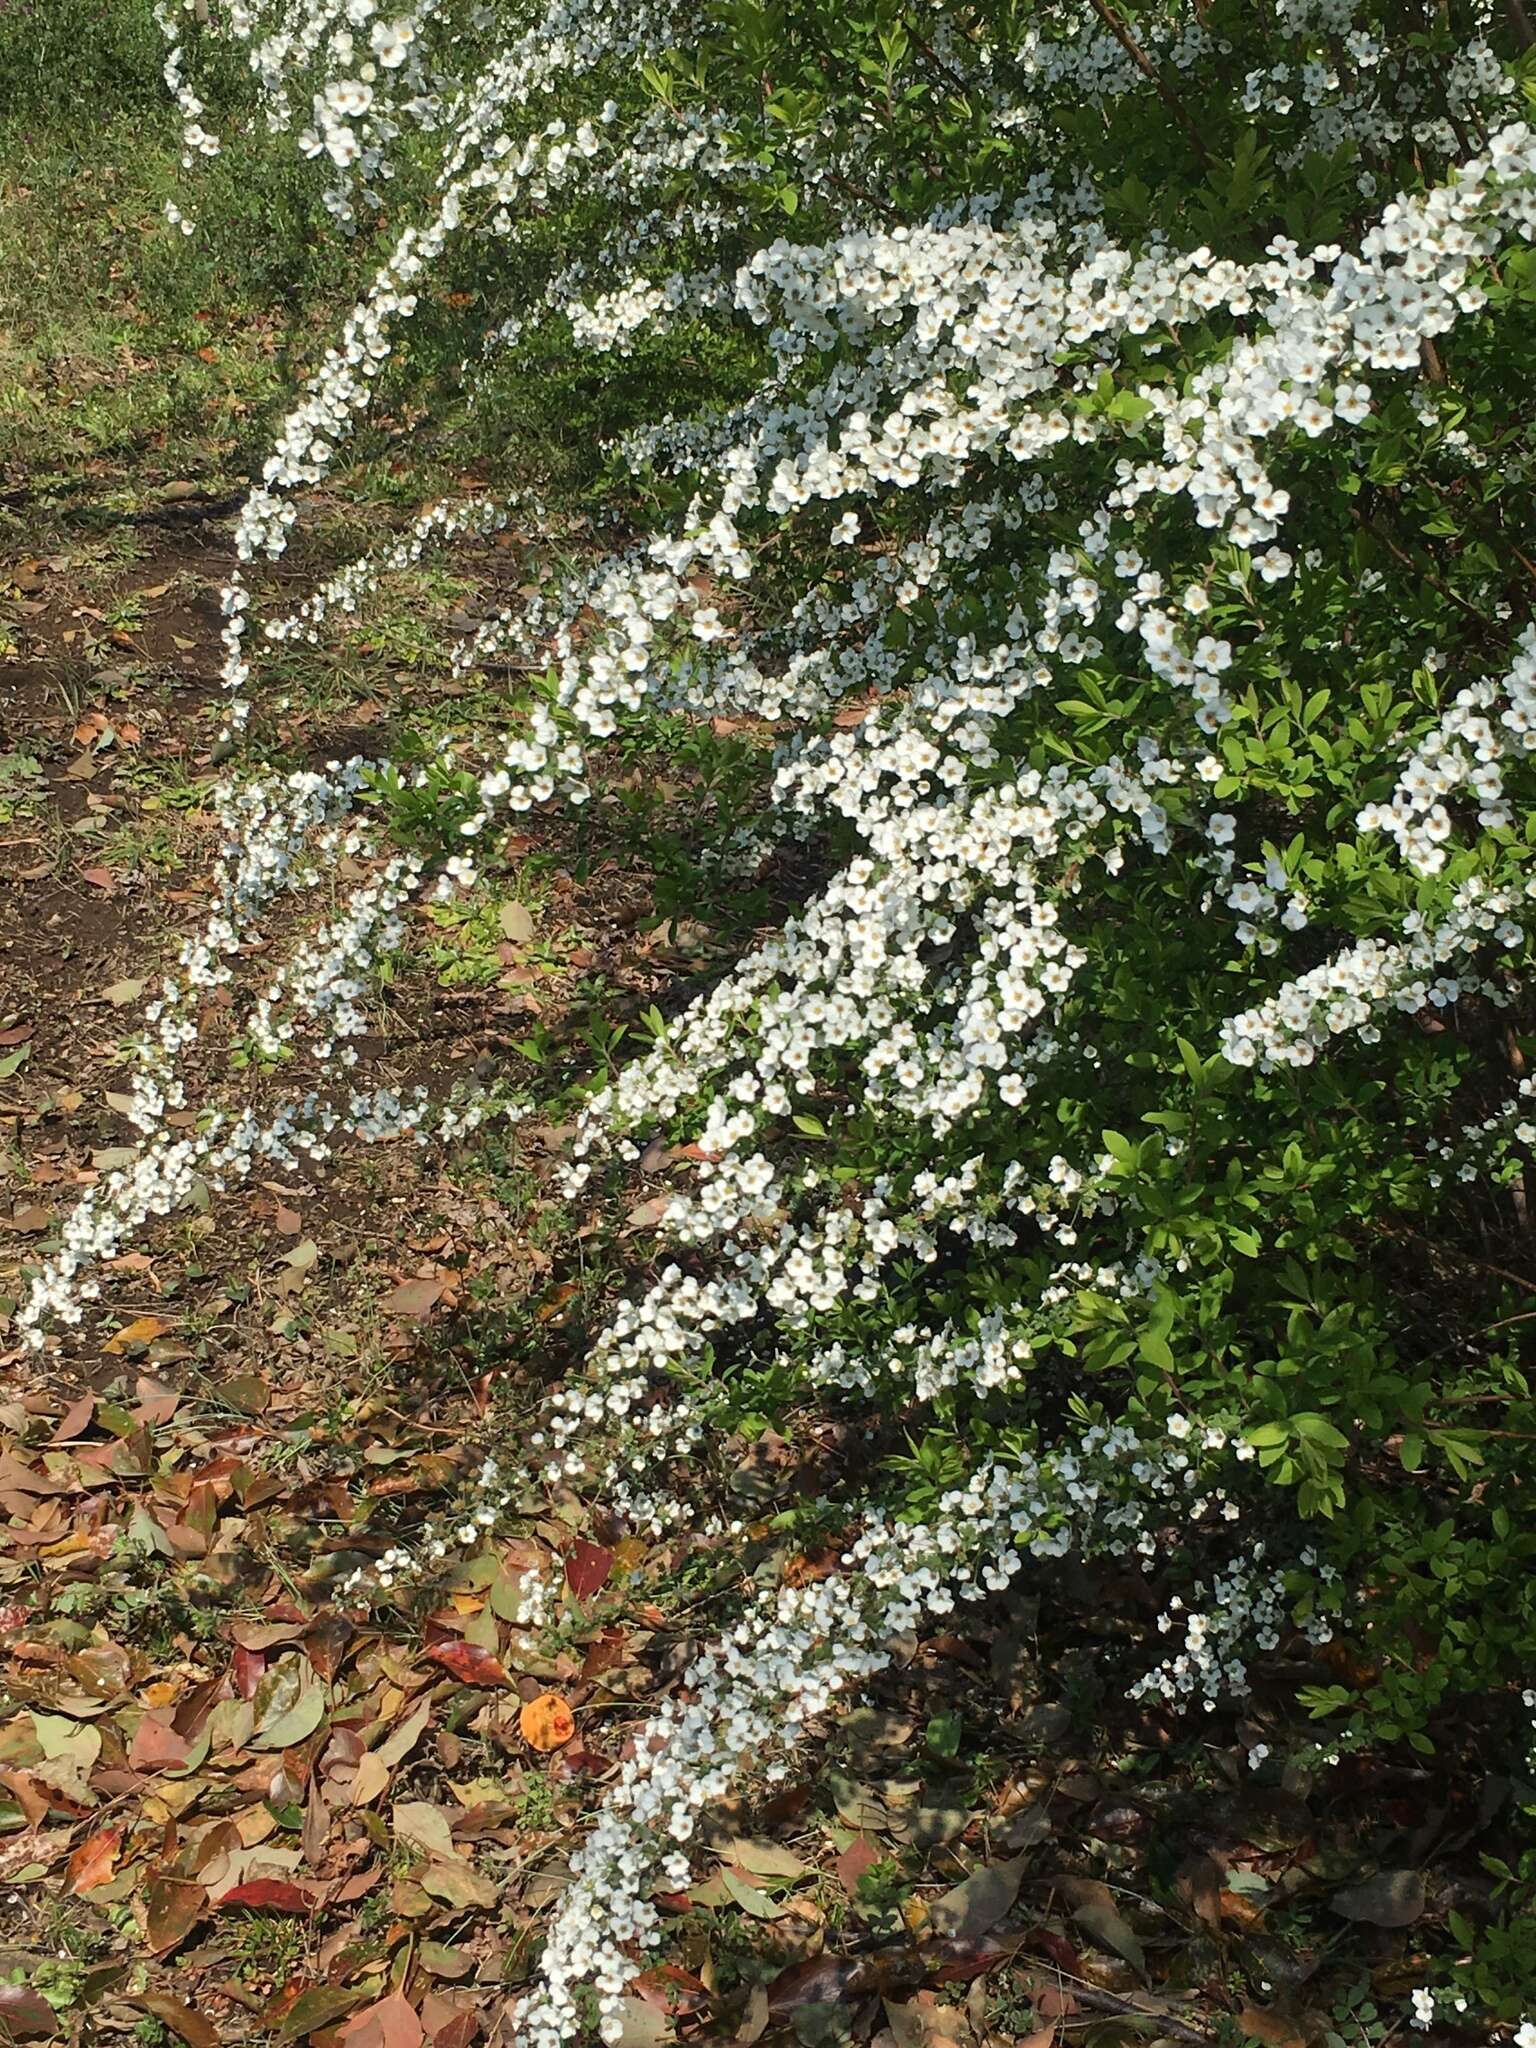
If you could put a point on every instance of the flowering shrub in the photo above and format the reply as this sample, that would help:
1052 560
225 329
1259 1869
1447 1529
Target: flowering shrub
1109 508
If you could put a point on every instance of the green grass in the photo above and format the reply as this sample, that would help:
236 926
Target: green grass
125 363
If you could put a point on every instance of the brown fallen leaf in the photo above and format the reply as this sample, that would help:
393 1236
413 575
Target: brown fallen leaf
1198 1883
819 1980
193 2027
75 1420
30 1845
859 1856
980 1902
317 2007
1392 1898
172 1909
1095 1911
412 1298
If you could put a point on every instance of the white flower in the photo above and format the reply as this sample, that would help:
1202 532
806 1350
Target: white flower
391 42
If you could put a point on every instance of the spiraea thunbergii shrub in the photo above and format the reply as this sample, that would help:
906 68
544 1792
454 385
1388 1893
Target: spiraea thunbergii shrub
1112 492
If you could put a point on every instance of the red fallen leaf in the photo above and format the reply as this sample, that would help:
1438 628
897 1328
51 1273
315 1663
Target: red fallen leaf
25 2015
587 1566
100 878
272 1894
854 1861
246 1670
469 1662
1058 1948
94 1861
1052 2002
579 1763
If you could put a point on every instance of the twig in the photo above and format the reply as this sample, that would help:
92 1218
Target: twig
960 84
1520 1280
1144 65
1126 2008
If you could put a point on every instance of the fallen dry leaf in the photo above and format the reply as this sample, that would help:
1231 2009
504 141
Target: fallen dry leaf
94 1861
392 2023
469 1662
547 1722
412 1298
587 1569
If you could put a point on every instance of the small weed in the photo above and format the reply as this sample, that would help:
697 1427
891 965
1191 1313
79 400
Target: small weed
268 1949
536 1805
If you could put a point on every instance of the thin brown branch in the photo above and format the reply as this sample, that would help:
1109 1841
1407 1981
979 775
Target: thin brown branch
1149 71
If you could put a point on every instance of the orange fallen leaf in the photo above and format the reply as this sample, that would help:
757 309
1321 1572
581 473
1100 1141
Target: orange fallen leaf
547 1722
142 1330
95 1860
